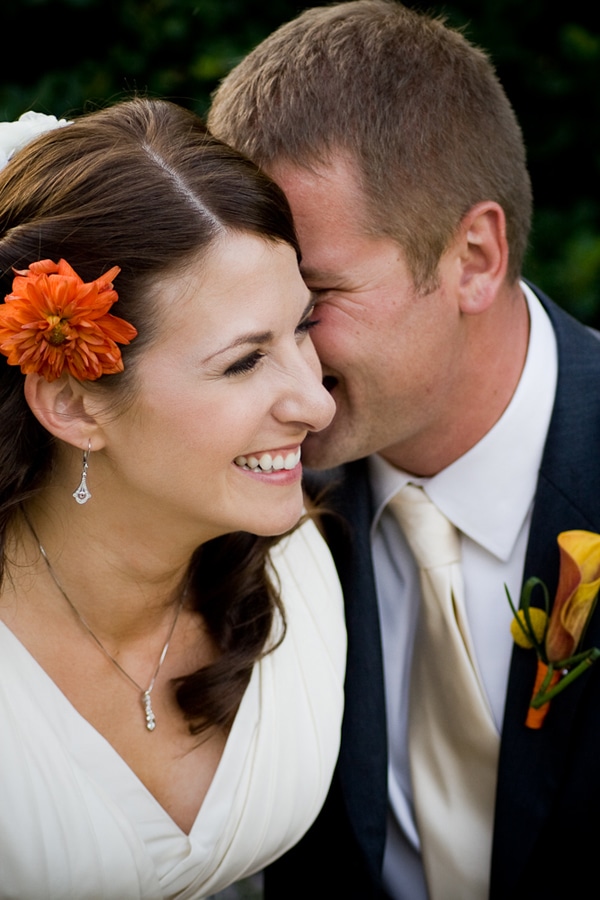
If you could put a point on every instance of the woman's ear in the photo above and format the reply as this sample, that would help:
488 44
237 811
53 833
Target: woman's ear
61 406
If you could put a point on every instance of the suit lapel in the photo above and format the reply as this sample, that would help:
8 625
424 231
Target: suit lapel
567 497
362 766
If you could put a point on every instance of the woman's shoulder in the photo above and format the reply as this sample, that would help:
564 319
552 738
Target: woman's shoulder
305 554
306 577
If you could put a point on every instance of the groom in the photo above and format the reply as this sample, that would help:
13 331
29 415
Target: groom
405 169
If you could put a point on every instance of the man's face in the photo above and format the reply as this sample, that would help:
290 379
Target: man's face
389 354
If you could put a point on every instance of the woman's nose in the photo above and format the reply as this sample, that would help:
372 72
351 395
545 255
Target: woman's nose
306 400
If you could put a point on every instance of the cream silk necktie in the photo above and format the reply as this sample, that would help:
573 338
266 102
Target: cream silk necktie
453 743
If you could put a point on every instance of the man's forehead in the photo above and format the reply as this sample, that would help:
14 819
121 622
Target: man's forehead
337 169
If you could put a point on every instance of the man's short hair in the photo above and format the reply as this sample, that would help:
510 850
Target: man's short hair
416 106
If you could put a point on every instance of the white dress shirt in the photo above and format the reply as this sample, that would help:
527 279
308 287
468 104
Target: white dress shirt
488 495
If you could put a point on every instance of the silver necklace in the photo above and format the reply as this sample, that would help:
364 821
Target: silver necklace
145 694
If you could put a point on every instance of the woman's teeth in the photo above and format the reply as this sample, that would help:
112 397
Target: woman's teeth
268 463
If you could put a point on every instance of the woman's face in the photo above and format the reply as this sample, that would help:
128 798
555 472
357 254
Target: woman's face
232 379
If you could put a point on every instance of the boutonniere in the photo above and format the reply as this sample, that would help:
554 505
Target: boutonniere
556 636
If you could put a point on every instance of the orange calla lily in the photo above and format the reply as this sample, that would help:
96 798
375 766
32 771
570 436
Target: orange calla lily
578 586
556 638
54 321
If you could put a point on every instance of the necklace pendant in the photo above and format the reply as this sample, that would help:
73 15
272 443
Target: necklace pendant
150 717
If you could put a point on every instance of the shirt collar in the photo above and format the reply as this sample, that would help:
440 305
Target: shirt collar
487 492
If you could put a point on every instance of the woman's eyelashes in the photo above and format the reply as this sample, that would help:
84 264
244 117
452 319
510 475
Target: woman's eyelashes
246 364
250 361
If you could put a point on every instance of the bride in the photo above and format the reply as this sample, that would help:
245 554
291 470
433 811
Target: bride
171 675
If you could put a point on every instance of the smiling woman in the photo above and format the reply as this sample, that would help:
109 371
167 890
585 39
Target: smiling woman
171 671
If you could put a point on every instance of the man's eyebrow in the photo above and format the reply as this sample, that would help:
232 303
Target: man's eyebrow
320 277
314 274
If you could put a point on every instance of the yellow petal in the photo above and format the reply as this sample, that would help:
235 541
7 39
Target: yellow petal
538 623
578 585
577 610
584 548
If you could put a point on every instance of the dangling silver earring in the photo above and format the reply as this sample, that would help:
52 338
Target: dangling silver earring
82 494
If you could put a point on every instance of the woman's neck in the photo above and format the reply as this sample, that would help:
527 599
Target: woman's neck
121 587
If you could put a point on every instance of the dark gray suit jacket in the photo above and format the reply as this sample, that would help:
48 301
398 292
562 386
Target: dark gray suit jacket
545 834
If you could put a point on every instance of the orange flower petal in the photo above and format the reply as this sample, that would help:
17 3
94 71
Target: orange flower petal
54 321
578 585
42 266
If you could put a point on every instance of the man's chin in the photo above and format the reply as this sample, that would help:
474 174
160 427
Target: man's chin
321 451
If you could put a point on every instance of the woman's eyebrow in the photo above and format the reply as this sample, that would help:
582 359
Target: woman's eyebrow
254 338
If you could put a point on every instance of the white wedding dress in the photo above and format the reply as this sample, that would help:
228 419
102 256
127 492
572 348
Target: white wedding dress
77 824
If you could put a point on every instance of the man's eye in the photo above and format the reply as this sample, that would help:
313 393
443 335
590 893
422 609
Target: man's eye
245 365
309 321
306 324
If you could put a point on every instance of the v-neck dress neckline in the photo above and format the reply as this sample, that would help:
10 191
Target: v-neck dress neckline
77 823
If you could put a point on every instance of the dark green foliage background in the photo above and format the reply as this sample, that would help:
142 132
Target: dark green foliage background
70 55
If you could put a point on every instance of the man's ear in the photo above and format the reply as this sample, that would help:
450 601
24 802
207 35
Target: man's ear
483 256
62 407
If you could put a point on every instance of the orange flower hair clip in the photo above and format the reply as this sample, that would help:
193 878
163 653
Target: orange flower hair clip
54 321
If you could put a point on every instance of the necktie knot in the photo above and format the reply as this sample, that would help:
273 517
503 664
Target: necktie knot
432 538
